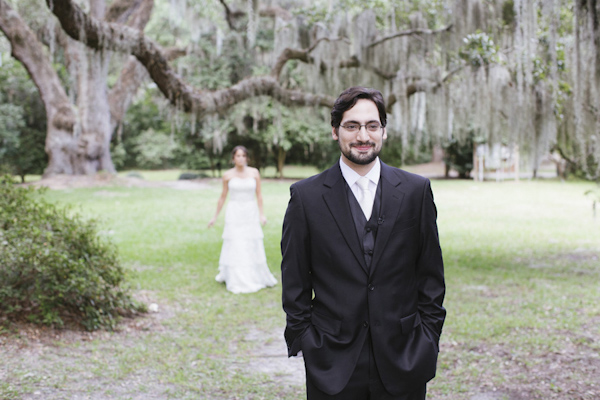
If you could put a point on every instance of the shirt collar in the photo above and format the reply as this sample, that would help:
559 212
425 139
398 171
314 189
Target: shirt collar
352 176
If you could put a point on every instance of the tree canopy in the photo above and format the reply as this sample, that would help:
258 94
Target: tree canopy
510 73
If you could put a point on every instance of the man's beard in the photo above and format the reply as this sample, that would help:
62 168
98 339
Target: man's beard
360 159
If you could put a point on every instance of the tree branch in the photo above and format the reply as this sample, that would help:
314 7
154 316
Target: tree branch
228 15
136 14
130 79
262 86
560 151
27 49
409 32
420 84
275 11
105 36
126 11
452 73
269 11
100 35
300 55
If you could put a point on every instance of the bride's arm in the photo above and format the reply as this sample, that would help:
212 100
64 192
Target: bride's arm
259 198
221 201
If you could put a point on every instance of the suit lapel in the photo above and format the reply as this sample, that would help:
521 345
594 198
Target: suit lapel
391 202
337 203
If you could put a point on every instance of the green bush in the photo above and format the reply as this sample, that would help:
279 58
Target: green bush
459 156
54 268
391 151
188 176
134 174
22 122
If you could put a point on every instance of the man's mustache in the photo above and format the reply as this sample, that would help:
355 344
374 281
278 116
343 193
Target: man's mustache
356 144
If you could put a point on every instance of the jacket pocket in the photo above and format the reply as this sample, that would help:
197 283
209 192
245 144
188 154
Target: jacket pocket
410 322
326 324
404 225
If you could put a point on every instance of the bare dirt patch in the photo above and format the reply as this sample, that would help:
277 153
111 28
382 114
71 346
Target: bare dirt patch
508 373
45 363
100 180
269 356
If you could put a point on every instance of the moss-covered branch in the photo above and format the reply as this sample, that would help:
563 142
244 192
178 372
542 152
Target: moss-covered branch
106 36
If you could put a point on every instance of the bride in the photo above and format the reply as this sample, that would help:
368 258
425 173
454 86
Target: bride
243 263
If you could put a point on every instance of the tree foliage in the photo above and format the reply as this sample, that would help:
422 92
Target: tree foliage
479 50
22 122
510 71
154 149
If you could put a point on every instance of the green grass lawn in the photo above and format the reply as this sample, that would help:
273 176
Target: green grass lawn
522 267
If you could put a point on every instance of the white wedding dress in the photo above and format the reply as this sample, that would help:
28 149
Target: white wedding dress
243 263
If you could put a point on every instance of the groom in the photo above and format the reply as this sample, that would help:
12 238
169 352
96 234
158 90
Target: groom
362 270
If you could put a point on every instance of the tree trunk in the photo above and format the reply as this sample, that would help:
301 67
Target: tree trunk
93 153
100 112
281 153
79 142
60 139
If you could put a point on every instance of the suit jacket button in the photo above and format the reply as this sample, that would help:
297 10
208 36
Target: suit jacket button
371 287
365 324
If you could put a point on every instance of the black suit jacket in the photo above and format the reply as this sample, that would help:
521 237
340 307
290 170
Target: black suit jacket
331 298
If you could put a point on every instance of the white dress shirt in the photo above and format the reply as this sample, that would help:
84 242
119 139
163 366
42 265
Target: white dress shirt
352 176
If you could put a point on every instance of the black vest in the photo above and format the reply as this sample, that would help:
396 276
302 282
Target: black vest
366 230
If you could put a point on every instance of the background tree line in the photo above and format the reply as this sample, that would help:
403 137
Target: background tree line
154 84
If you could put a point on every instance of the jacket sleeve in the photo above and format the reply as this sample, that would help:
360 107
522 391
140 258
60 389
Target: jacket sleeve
430 268
295 272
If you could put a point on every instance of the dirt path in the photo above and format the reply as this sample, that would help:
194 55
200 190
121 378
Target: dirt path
61 182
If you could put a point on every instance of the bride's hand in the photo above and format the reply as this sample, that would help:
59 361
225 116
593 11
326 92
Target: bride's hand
263 220
211 222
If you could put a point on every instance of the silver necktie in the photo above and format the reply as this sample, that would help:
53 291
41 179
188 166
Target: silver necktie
366 199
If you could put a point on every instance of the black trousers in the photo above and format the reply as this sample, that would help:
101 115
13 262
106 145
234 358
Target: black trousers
364 384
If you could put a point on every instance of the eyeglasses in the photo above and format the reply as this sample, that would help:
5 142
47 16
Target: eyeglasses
371 127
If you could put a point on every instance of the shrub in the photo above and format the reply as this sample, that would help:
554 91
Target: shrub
188 176
134 174
54 268
459 156
391 151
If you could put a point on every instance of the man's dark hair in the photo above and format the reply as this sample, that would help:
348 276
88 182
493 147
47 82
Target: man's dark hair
348 99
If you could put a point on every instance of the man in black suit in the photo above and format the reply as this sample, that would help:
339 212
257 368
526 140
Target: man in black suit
362 270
